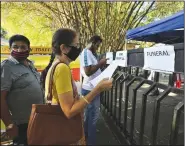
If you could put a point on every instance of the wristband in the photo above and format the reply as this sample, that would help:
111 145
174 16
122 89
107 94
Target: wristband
85 100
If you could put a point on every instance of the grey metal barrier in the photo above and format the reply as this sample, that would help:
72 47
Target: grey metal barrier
116 115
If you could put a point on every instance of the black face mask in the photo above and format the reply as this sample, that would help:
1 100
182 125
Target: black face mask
73 53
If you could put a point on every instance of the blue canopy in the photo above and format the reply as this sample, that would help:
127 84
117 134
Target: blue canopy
168 30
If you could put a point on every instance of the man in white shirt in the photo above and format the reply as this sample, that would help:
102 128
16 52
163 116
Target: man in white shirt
90 68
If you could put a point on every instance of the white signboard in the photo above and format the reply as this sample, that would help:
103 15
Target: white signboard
121 58
109 57
160 58
107 73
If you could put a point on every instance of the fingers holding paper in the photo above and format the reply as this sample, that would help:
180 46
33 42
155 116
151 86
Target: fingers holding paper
103 62
105 84
108 72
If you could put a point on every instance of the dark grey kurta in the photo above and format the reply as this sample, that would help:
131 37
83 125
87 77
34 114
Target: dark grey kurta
23 86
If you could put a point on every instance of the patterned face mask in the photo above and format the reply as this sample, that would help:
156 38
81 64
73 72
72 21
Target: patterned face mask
20 55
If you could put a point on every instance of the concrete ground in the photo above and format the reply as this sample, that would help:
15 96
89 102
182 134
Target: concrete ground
104 134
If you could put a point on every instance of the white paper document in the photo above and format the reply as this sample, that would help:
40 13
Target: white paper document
160 58
107 73
109 57
121 58
79 86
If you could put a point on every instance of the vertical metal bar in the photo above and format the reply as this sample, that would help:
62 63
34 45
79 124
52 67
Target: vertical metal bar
120 99
145 74
143 112
175 124
119 68
126 103
129 70
115 100
111 96
137 71
156 77
116 92
134 108
101 97
108 99
103 100
111 101
156 115
171 80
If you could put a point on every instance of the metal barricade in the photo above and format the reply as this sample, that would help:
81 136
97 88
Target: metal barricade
112 102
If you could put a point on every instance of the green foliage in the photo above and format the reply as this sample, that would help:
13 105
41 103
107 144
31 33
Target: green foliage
35 27
111 20
3 33
163 9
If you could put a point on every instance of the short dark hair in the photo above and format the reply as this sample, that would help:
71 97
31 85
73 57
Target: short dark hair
95 39
18 37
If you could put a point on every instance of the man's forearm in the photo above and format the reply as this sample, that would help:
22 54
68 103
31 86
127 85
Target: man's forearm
5 114
93 69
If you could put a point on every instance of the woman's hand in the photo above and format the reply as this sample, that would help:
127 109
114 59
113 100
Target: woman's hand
105 84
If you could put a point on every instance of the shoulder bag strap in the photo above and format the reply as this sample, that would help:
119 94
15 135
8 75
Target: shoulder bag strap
49 96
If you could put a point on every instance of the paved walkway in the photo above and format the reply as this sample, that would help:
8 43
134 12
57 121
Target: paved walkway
104 134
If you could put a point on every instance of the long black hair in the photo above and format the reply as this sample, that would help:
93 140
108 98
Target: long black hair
61 36
44 72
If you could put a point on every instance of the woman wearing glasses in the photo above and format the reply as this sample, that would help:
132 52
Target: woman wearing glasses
65 47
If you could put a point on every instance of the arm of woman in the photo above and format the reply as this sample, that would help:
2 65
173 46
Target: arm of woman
69 105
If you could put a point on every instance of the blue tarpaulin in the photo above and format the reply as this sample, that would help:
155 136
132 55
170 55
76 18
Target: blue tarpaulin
168 30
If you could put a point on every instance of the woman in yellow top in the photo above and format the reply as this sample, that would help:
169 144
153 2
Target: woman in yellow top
65 47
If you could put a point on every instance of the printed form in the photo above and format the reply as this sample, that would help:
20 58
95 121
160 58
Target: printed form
107 73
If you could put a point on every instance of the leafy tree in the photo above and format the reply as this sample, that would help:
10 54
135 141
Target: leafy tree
3 33
18 21
111 20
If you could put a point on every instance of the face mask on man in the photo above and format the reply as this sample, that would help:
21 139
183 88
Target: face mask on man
73 53
20 56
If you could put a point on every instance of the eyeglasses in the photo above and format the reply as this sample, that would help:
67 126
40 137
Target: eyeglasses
75 47
21 47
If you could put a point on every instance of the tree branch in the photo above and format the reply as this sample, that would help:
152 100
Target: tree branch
145 14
